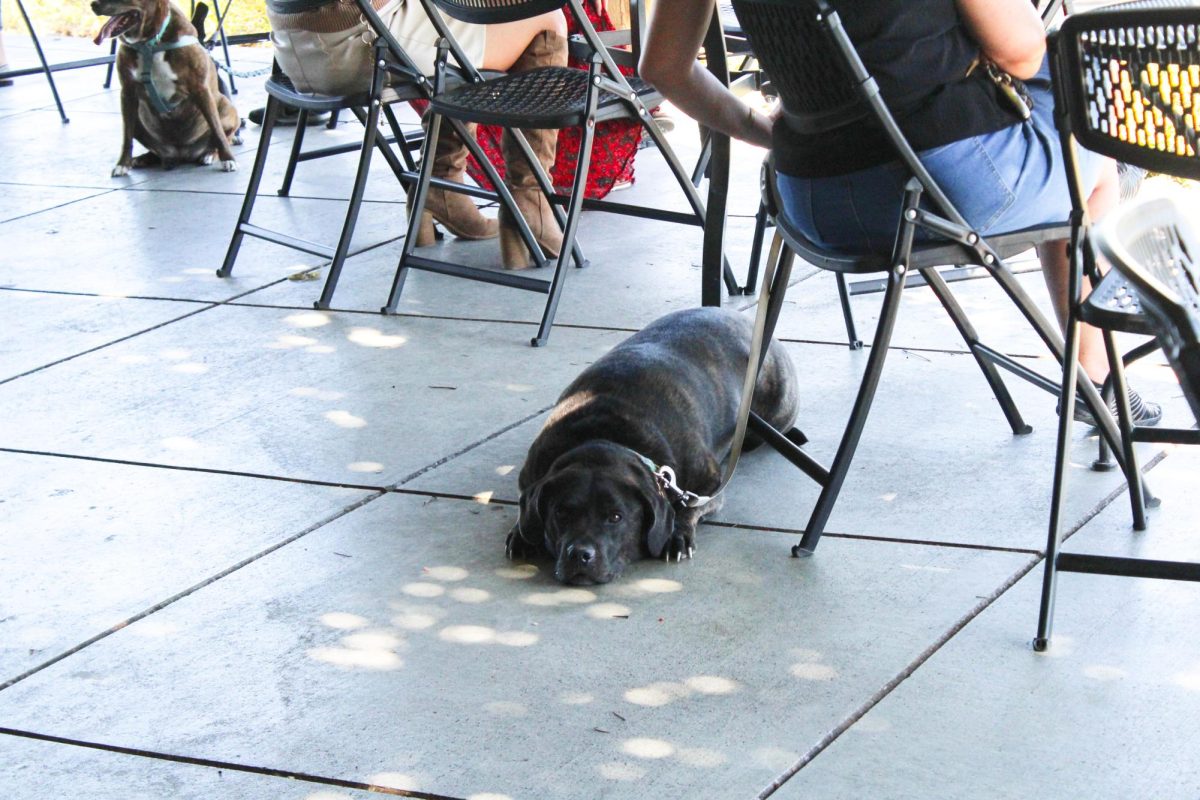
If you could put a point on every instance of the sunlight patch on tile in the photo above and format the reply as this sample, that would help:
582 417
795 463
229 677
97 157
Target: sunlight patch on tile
505 469
618 771
290 341
642 747
607 611
393 780
1186 680
414 621
562 597
813 672
489 796
380 660
372 337
344 419
467 594
365 466
483 498
423 589
343 621
517 572
314 392
372 640
711 684
308 319
446 573
575 698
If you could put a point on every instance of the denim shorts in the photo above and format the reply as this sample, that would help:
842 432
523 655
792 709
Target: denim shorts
1011 179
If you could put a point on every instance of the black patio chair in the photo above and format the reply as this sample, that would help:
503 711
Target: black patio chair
367 107
824 85
549 97
1123 78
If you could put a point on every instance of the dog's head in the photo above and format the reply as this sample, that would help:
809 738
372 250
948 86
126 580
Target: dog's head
596 509
125 17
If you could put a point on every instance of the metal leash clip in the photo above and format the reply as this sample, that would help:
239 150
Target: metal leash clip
665 476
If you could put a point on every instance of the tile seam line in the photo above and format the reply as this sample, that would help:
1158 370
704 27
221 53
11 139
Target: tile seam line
835 733
365 487
99 193
209 305
160 605
198 761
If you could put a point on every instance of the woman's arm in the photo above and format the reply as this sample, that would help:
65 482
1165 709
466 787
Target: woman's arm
1009 32
669 63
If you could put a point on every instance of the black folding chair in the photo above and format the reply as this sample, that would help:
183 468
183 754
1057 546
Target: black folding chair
550 97
367 107
1124 77
823 85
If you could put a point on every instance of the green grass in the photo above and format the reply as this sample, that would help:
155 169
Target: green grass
75 17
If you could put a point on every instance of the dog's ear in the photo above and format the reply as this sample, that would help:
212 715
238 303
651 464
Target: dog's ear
530 526
660 515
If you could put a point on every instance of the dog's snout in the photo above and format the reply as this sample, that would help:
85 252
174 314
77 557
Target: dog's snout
582 555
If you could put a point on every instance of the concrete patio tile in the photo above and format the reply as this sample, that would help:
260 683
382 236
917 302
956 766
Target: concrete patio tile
305 395
43 328
936 462
108 541
78 154
1108 711
34 770
100 233
397 646
622 288
19 200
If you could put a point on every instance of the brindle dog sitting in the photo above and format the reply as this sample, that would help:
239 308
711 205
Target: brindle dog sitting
667 396
170 96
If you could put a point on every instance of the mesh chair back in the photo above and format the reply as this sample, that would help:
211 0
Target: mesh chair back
804 63
1132 83
491 12
1152 246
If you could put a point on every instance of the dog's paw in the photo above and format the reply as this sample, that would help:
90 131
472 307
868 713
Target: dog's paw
207 159
236 139
120 170
679 547
229 166
516 548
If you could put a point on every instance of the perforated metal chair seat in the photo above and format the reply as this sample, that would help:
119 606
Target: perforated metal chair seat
551 97
1114 305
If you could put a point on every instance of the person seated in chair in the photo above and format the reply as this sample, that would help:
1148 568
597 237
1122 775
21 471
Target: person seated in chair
324 46
843 190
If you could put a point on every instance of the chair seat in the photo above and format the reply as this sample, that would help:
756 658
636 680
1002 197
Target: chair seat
281 88
550 97
1114 305
931 254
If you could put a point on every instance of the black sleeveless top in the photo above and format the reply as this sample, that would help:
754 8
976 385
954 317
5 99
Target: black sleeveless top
919 53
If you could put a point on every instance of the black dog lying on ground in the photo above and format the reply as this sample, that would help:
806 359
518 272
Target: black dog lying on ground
667 396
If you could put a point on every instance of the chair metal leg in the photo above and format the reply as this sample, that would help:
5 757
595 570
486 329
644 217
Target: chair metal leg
37 45
848 313
1104 461
256 174
371 130
574 206
760 233
971 337
858 415
1061 460
416 207
1137 497
112 65
297 144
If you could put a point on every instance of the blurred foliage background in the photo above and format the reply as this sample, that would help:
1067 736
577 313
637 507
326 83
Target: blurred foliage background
75 17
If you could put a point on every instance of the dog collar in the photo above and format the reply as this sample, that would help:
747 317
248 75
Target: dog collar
664 476
146 50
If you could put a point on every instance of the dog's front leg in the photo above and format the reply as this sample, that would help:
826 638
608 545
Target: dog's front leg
208 108
129 110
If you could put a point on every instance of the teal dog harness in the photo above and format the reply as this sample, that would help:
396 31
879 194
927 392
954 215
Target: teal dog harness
146 50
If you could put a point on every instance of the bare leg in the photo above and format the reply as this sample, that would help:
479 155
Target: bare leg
505 42
1055 267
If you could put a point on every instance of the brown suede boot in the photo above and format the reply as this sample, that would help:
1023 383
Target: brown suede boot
456 212
548 49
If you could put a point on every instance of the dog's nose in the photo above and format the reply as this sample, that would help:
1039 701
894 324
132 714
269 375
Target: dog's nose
582 555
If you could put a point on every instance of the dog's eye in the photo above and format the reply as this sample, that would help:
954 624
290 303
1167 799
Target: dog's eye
614 518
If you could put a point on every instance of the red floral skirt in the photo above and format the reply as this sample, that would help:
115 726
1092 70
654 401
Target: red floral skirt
613 149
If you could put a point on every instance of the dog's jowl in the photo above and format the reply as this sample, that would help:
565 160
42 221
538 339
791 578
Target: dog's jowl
666 397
